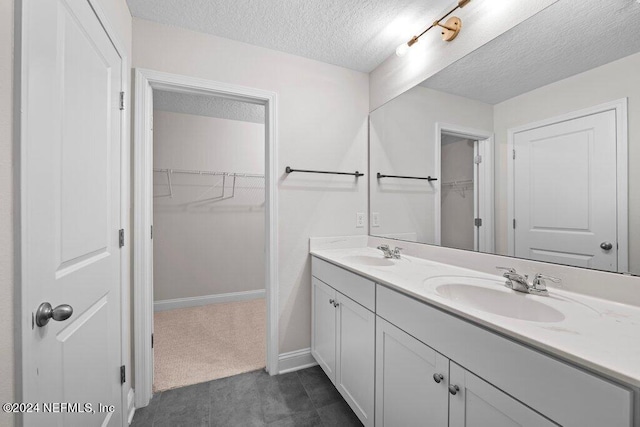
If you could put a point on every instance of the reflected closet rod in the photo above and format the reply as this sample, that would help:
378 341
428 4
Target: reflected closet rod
428 178
356 173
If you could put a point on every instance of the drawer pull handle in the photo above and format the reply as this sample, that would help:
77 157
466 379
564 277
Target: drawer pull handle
438 377
453 389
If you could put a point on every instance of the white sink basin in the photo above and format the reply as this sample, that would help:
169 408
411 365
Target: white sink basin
492 297
369 260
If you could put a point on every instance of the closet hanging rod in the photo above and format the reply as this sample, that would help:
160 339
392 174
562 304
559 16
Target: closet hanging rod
356 173
428 178
203 172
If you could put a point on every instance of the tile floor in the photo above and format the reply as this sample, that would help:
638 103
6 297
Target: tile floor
297 399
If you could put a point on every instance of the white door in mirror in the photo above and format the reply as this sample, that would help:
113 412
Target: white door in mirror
565 192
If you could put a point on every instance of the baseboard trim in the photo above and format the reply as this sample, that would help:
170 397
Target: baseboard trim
170 304
130 406
295 360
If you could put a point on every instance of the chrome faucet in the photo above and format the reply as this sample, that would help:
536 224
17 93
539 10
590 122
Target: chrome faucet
520 283
395 253
386 251
390 253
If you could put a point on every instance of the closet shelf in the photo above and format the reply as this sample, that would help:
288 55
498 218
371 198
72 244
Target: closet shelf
457 183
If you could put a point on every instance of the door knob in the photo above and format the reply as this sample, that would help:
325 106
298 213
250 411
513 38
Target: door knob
438 377
607 246
45 312
453 389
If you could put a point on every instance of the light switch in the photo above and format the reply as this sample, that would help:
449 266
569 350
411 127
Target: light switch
375 219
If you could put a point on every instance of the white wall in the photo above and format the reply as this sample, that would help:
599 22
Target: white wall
212 248
322 124
618 79
402 142
482 22
117 13
6 207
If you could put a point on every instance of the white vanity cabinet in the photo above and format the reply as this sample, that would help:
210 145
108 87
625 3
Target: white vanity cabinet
411 380
417 386
343 334
431 367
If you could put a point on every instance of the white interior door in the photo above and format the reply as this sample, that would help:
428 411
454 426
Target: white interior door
71 189
565 204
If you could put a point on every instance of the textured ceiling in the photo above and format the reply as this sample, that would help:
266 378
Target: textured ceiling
356 34
211 106
565 39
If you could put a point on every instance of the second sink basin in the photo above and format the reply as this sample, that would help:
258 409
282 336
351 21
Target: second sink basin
492 297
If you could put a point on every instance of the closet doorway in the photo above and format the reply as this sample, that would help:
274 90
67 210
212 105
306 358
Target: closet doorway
204 262
464 163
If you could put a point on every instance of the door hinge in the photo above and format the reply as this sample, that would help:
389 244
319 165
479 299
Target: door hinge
121 237
121 101
152 232
514 223
478 222
477 159
123 374
514 154
151 340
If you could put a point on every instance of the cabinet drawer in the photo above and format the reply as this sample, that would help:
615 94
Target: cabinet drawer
566 394
359 289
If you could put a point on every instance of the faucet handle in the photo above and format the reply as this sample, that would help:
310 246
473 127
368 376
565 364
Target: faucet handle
507 269
397 249
383 247
539 281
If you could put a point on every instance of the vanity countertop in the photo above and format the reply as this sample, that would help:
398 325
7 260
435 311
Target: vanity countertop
597 334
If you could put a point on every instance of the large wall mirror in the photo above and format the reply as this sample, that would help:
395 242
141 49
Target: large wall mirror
528 146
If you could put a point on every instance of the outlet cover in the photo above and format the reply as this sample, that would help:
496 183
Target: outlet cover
360 219
375 219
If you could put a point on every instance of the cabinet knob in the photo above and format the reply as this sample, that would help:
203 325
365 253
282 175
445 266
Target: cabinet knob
438 377
335 304
332 301
453 389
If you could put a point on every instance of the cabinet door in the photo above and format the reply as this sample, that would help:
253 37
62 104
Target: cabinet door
355 368
478 403
323 321
407 393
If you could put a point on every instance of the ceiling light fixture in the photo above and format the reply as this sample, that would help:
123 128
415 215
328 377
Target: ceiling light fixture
450 29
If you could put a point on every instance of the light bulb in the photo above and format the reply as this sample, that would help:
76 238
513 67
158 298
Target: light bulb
402 49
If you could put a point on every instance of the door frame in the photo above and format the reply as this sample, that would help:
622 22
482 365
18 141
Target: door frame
145 82
22 287
622 171
484 170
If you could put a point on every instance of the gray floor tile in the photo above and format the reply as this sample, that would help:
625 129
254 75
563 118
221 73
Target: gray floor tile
251 399
319 387
302 419
282 396
186 406
143 417
235 401
339 414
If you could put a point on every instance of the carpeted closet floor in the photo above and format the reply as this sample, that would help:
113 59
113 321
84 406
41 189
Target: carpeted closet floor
198 344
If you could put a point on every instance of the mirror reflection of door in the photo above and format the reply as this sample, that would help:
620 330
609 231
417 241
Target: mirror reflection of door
465 220
564 193
458 196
